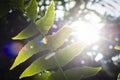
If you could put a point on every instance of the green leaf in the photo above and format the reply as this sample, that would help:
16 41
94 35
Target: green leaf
76 73
28 50
31 10
44 76
39 65
45 23
28 32
17 4
81 72
57 39
63 57
33 47
49 75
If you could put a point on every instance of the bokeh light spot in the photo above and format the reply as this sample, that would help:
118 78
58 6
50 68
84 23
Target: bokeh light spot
98 57
83 62
31 46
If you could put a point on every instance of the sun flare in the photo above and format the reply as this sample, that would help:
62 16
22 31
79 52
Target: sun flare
88 32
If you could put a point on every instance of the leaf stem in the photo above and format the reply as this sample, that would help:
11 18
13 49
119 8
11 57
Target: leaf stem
59 67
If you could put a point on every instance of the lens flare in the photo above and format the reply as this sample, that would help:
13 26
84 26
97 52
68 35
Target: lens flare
87 30
84 32
12 49
44 41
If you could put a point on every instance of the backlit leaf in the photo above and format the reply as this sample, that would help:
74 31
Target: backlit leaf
34 46
76 73
63 57
81 72
57 39
39 65
45 23
28 32
28 50
31 10
44 76
67 54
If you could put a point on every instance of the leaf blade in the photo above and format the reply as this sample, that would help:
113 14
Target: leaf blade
28 50
42 63
31 10
76 73
46 75
37 47
28 32
81 72
65 55
45 23
57 39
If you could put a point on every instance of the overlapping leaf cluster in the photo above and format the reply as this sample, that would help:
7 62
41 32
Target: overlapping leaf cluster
49 61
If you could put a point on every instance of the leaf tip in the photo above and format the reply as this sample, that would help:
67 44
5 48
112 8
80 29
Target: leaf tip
23 75
17 37
11 67
14 65
14 38
20 77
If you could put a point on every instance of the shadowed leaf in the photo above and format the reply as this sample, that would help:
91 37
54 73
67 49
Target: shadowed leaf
17 4
4 8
